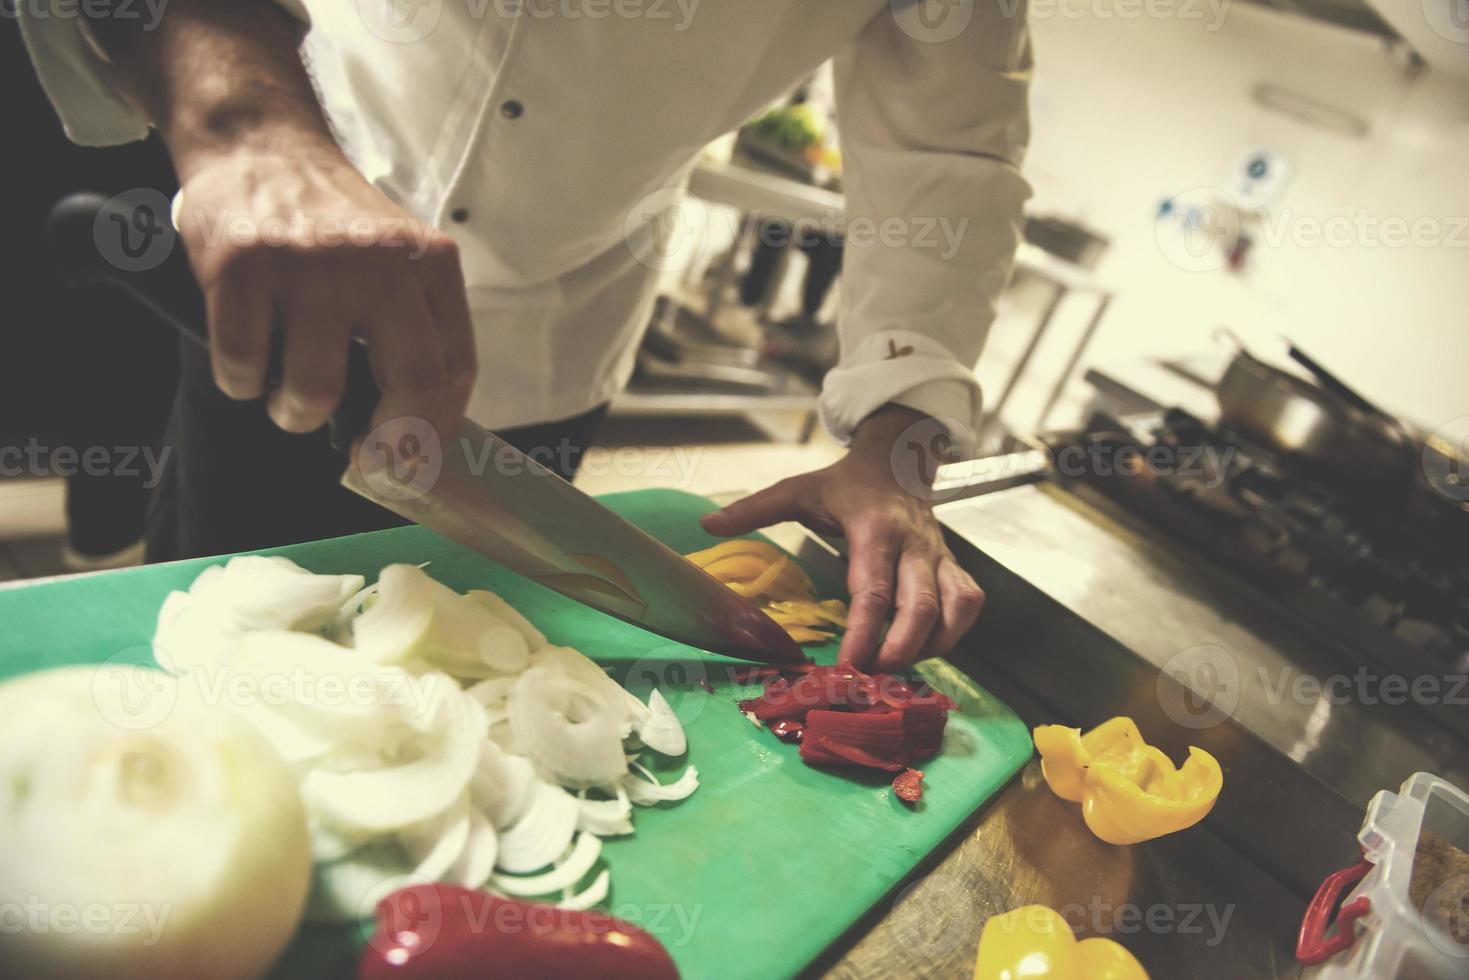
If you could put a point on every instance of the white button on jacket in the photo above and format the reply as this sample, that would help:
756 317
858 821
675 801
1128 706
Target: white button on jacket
535 131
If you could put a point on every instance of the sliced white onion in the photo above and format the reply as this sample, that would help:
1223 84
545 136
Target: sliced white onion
348 889
121 791
272 592
406 776
645 790
662 732
442 760
503 785
565 874
567 729
325 705
606 818
476 862
534 638
540 836
416 617
350 886
595 894
492 693
434 845
192 635
577 664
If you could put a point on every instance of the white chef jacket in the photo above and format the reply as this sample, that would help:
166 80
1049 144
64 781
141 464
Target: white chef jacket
535 131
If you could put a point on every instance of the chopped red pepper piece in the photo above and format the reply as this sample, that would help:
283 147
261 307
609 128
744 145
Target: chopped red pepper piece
908 785
820 750
843 717
788 729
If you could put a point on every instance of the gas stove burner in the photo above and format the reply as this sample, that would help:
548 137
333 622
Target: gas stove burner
1334 550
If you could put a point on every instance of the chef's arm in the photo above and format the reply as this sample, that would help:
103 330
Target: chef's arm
933 124
213 76
266 196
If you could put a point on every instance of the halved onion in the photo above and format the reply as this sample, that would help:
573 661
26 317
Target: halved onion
139 811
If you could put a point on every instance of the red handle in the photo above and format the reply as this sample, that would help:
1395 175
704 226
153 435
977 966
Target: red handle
1312 946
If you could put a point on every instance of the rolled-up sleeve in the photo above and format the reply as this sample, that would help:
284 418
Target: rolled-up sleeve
933 129
79 80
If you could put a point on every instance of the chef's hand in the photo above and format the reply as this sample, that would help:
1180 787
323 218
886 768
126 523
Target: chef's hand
281 229
288 236
897 554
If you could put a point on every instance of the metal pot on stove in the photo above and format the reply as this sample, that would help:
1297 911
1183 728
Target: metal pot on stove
1326 424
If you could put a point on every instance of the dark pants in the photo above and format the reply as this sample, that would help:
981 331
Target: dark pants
84 374
823 253
235 482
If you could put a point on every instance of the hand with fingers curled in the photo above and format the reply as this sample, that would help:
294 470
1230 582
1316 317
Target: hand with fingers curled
292 239
899 563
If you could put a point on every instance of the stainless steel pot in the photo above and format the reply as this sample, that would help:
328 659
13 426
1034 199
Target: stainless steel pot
1292 415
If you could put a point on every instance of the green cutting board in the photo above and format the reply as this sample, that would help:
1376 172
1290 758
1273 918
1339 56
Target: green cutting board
766 865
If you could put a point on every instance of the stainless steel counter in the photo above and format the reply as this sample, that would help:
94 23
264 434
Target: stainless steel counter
1089 618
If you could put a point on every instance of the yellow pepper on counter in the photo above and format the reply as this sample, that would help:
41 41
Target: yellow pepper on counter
1128 790
1034 942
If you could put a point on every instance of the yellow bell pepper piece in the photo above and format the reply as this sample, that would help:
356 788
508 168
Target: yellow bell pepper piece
1034 942
757 570
1129 791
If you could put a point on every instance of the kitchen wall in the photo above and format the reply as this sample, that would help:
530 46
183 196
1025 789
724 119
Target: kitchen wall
1130 111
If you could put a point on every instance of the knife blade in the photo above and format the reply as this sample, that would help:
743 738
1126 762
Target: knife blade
478 490
488 496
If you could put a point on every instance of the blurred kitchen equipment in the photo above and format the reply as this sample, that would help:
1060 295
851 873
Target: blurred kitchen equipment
1335 385
1378 570
1326 425
1065 239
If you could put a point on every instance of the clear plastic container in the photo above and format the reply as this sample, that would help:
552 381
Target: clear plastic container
1408 916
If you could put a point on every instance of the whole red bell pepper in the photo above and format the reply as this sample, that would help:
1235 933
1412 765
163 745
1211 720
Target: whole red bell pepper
444 932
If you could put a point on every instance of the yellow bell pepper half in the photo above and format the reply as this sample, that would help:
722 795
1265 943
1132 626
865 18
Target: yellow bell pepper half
1034 942
1128 790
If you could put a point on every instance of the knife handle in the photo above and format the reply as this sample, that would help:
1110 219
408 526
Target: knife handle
84 229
